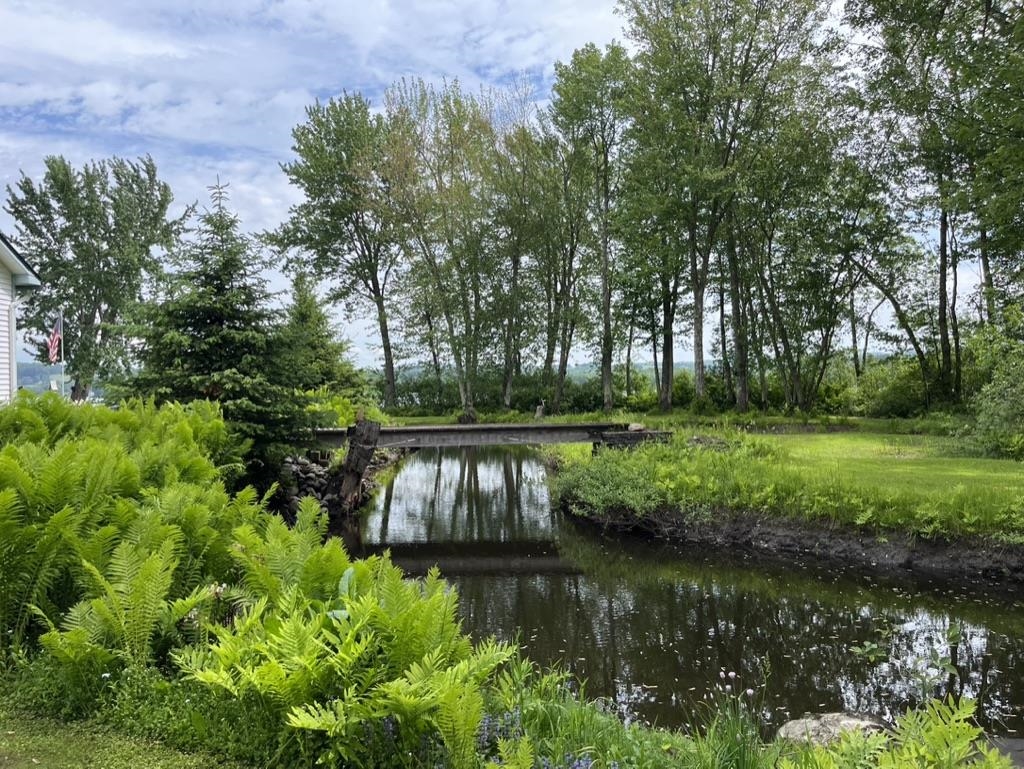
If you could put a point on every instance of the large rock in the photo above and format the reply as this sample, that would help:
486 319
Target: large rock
825 728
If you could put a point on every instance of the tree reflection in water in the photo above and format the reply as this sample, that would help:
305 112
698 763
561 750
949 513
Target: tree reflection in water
653 629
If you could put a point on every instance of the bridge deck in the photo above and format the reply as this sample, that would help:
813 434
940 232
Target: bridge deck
426 436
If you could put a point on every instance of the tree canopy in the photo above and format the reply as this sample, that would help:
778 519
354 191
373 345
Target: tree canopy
95 235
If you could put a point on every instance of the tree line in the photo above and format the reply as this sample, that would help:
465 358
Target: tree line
762 170
750 167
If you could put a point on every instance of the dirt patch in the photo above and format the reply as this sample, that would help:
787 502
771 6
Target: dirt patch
772 539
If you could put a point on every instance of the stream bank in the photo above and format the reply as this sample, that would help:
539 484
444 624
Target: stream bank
973 560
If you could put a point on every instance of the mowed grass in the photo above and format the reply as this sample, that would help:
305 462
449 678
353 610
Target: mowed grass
28 743
915 464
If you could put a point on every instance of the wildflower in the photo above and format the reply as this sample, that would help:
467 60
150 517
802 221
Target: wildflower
732 675
104 675
750 692
728 688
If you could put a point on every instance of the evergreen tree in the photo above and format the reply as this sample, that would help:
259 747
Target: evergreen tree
309 348
216 337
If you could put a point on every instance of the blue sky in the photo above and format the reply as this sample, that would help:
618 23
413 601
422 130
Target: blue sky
212 88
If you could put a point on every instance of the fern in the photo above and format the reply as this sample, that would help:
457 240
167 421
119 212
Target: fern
380 647
274 557
32 557
942 735
514 754
133 608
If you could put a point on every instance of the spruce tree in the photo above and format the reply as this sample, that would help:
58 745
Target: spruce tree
215 336
309 347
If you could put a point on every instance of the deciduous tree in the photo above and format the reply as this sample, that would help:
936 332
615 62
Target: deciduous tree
345 228
95 235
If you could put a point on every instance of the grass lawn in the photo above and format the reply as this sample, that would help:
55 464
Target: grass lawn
27 743
902 463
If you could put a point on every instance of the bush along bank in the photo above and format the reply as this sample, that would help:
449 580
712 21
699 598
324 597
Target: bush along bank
865 501
134 591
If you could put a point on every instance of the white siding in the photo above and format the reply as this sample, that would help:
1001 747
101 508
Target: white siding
8 377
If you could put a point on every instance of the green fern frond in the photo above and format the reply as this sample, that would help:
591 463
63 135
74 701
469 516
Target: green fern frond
514 754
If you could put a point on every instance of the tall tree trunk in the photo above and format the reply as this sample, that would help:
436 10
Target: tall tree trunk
722 335
756 336
511 335
667 368
955 330
568 331
435 358
697 287
79 390
945 349
629 360
553 322
987 288
657 366
739 326
852 309
606 290
390 391
668 318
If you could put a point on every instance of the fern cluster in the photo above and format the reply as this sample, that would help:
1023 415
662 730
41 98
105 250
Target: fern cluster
107 517
133 586
341 650
942 735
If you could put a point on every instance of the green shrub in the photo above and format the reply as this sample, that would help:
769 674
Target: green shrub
999 409
892 388
332 670
683 392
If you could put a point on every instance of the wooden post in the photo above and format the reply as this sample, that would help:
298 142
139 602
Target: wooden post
362 442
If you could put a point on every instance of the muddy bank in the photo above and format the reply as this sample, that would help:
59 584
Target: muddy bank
889 554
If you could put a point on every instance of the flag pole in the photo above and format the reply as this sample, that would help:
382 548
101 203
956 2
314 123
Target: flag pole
62 355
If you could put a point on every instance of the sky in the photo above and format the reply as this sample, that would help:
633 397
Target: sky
211 89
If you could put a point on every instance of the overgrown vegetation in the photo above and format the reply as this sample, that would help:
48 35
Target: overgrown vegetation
913 484
137 593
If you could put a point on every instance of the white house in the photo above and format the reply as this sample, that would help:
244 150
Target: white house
15 275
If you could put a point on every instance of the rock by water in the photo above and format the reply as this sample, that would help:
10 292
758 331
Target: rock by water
825 728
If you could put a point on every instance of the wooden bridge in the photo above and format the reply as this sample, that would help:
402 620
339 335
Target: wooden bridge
364 437
436 436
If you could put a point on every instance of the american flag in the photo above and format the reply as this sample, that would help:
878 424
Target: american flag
53 346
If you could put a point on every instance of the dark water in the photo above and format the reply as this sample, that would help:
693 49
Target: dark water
654 629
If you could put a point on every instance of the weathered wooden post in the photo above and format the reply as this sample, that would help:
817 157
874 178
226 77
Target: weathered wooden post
362 442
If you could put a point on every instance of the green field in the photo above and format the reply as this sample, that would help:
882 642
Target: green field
905 463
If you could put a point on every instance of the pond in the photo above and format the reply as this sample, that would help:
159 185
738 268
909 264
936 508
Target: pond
654 629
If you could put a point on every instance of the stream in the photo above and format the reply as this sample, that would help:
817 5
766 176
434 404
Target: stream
653 629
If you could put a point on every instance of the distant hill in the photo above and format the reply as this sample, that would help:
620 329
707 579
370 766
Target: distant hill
587 370
36 376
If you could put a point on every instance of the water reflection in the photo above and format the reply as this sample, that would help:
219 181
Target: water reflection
473 495
654 629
